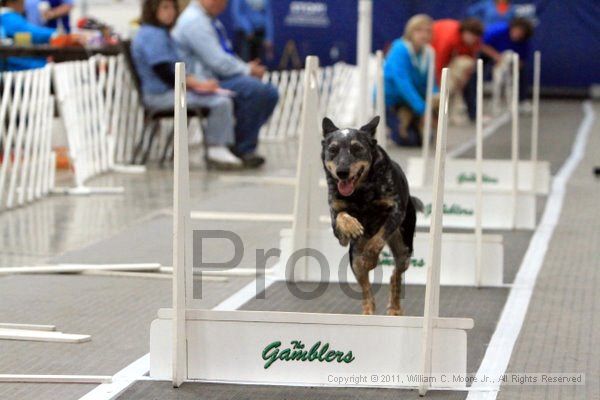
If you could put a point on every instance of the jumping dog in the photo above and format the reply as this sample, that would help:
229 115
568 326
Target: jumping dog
370 205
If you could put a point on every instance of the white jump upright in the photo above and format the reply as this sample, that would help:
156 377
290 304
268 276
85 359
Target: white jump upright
363 51
479 172
27 162
380 108
90 113
428 110
284 348
432 291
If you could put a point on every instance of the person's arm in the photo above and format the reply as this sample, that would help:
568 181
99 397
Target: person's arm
269 28
398 67
490 52
60 11
204 43
239 18
14 23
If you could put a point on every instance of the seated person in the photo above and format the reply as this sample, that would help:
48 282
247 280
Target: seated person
202 41
13 22
492 11
154 55
49 13
456 44
405 77
514 36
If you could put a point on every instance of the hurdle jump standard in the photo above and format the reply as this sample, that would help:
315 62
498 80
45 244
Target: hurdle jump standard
242 347
89 100
533 175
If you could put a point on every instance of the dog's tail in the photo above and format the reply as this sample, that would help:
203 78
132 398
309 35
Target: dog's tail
417 203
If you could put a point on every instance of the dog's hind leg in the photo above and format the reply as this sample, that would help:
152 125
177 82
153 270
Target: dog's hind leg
402 256
364 256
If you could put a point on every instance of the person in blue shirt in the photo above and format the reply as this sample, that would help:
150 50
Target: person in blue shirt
405 78
253 26
204 44
514 36
12 21
492 11
154 55
50 13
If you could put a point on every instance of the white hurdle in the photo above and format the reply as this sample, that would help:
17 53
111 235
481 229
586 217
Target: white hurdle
533 175
241 347
91 105
27 162
510 204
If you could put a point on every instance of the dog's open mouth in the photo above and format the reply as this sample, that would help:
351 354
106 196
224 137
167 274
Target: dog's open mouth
346 187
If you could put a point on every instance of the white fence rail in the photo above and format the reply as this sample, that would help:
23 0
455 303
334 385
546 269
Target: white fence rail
27 162
338 87
102 114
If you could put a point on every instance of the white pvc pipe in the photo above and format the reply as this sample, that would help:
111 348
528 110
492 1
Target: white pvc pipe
381 128
515 135
479 176
307 173
536 107
181 216
363 50
428 116
432 288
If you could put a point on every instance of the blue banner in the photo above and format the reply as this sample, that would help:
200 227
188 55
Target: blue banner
567 32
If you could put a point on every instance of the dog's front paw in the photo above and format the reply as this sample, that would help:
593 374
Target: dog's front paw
348 226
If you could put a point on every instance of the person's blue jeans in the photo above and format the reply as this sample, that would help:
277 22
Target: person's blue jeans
393 122
253 105
219 124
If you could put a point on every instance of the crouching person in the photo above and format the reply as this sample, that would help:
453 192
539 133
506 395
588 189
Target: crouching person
202 39
405 74
154 55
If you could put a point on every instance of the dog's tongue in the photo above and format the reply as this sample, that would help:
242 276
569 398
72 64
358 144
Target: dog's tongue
345 187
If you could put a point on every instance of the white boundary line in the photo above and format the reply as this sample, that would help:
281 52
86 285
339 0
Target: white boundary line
137 370
500 348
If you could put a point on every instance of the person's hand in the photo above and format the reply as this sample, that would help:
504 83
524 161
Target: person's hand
256 69
208 86
48 15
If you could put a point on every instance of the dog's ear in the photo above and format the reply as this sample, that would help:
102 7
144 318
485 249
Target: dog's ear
371 127
328 126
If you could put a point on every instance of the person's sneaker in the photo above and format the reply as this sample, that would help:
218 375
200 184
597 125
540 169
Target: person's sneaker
220 157
252 160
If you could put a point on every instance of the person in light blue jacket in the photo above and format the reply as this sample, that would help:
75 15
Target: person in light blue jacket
12 22
405 77
204 45
253 26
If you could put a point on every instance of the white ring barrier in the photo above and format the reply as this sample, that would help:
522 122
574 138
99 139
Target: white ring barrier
102 117
192 344
27 162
